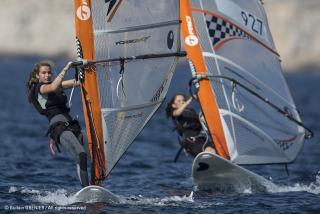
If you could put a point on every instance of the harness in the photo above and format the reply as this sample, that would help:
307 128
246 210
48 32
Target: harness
185 128
192 135
194 144
56 129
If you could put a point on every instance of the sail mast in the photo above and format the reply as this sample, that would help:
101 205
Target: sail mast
205 94
90 93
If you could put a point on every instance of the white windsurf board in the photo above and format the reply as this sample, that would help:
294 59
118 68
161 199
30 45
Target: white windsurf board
93 193
211 172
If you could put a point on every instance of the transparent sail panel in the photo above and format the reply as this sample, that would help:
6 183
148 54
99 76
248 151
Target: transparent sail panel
131 91
127 123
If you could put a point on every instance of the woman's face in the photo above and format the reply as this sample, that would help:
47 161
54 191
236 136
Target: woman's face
44 75
178 101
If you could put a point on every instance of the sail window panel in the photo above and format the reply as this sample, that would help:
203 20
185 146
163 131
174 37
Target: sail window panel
247 105
265 68
282 131
140 82
254 146
251 82
264 116
122 127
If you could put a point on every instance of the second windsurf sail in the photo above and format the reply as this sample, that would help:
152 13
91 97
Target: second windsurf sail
244 97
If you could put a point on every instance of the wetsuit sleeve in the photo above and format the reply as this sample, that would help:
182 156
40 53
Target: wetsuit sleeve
37 89
38 86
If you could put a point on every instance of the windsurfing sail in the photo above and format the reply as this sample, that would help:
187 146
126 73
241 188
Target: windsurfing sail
250 114
132 47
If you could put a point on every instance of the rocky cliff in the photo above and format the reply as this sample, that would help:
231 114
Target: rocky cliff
34 27
46 27
294 25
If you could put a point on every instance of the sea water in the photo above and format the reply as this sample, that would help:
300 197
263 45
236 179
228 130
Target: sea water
146 179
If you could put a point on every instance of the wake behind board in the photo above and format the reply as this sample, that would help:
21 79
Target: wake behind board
211 172
95 194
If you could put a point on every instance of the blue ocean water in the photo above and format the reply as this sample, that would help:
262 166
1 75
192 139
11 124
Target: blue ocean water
146 179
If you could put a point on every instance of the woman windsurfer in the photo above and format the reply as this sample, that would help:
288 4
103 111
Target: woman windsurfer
49 99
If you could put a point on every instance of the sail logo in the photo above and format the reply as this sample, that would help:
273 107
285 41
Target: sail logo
131 41
170 39
133 116
83 11
192 39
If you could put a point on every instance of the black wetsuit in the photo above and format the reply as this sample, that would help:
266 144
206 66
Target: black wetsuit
63 129
188 124
189 128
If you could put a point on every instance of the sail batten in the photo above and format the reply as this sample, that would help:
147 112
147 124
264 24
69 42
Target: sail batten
130 108
143 27
277 158
139 57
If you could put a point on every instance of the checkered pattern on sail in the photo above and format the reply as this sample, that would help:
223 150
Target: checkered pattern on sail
220 29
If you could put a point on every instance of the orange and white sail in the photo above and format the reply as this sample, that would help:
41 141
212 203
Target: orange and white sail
133 46
250 114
